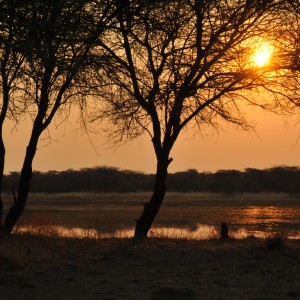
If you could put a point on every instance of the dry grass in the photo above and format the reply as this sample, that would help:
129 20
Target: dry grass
95 259
111 212
40 267
245 214
10 255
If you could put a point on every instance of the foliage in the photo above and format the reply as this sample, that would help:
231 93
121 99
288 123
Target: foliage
182 63
281 179
155 67
55 39
275 241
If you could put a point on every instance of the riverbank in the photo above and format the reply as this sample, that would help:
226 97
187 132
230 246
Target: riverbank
37 267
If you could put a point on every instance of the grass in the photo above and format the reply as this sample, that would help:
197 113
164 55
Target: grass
276 241
167 266
181 213
77 246
10 257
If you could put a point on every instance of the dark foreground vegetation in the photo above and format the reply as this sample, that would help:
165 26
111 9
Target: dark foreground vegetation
107 179
35 267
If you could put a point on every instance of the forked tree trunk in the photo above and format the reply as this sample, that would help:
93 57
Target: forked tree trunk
26 174
144 223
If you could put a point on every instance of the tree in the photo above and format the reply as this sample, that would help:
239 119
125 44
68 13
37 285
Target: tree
290 51
182 63
10 65
58 38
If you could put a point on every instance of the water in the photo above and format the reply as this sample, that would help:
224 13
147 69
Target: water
259 221
190 216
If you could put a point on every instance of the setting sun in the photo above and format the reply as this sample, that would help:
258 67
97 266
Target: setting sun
262 54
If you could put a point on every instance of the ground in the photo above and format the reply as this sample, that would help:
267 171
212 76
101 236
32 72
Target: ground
36 267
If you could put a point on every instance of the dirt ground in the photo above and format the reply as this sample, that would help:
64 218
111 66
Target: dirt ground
35 267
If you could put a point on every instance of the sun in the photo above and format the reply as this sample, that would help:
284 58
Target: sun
262 54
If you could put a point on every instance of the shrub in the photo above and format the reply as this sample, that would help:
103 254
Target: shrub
275 241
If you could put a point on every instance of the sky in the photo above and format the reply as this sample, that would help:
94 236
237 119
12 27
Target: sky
273 143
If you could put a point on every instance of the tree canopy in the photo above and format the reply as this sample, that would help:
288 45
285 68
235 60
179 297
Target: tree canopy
155 67
182 63
55 40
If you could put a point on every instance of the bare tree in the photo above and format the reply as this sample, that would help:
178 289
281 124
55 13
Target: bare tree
286 82
11 61
57 41
291 33
183 63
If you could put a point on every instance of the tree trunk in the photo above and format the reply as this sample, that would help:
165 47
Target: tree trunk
144 223
5 93
2 159
26 174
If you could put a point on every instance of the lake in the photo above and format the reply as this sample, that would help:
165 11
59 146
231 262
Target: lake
183 215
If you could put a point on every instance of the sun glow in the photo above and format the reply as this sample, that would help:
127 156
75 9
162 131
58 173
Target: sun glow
262 54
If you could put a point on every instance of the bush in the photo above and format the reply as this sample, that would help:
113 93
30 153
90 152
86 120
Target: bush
275 241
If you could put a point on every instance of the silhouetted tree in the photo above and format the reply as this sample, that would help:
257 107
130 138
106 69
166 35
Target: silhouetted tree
11 61
282 179
57 39
183 62
254 180
287 60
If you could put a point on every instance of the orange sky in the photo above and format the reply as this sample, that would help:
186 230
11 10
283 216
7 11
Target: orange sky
232 149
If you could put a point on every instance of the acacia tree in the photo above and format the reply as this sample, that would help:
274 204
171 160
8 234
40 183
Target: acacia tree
291 33
181 63
286 80
11 62
58 38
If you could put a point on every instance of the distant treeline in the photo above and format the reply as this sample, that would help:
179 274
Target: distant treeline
108 179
